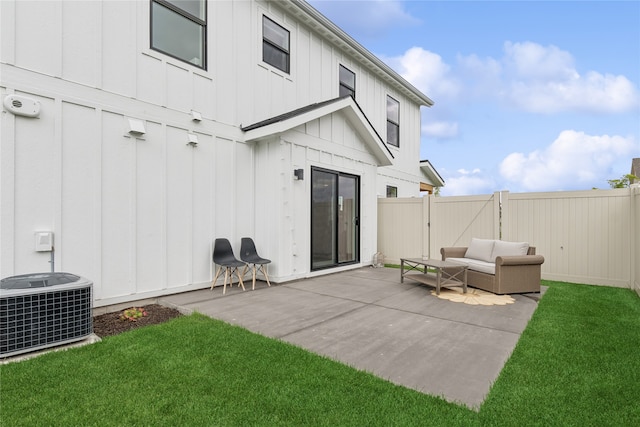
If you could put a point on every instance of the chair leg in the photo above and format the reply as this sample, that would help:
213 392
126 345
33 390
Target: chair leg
226 274
216 277
254 277
244 270
264 271
239 278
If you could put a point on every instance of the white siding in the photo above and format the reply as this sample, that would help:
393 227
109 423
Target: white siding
138 215
81 48
80 172
120 48
283 227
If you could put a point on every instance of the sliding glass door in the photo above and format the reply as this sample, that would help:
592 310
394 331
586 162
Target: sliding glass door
335 211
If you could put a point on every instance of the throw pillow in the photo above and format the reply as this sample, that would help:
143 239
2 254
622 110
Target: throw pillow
480 249
509 249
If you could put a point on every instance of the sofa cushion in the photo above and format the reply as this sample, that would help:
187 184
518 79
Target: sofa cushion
477 265
502 248
480 249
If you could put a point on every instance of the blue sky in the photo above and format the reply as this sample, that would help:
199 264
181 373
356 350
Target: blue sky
529 96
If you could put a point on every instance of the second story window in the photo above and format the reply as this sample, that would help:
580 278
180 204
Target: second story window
393 122
392 191
179 29
347 82
275 45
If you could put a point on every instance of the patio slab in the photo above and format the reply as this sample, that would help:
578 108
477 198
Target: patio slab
369 320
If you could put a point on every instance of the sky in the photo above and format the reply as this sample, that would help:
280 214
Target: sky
529 96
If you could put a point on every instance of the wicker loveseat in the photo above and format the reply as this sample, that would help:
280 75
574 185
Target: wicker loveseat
498 266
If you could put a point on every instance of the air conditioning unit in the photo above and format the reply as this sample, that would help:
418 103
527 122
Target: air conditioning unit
44 310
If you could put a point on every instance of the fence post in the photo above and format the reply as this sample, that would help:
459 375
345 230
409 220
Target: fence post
426 227
500 211
634 249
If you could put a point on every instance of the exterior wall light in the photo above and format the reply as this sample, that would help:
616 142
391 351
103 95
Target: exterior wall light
192 139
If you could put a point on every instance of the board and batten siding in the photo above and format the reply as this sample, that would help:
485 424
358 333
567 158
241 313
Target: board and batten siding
137 215
105 45
315 65
283 204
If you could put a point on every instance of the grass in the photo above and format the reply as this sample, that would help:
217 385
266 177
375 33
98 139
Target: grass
577 363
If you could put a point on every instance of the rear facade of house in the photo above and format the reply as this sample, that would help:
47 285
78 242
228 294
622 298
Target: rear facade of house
137 132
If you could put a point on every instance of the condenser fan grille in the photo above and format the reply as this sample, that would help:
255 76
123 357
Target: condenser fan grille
51 317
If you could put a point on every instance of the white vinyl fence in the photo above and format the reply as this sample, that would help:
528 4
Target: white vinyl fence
590 237
635 233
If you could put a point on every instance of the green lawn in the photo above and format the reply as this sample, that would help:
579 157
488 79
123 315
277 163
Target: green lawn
577 363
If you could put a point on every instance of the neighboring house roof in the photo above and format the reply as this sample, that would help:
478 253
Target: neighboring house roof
354 49
431 173
346 104
635 169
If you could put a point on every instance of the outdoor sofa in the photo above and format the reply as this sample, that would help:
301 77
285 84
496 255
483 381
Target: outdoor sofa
497 266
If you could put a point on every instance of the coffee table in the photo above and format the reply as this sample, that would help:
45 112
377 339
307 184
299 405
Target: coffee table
446 273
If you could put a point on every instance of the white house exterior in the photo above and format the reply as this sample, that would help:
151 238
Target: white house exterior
136 159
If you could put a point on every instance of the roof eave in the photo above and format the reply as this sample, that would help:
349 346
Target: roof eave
351 110
431 172
349 41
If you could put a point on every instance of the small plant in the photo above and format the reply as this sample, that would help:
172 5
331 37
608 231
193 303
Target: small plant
133 314
624 182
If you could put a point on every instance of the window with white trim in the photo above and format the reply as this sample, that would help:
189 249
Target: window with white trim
347 82
179 29
275 45
393 122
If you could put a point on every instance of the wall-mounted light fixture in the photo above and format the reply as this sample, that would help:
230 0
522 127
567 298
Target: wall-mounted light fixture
196 116
192 139
135 127
298 174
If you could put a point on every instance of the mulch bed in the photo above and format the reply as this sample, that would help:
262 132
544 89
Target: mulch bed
110 324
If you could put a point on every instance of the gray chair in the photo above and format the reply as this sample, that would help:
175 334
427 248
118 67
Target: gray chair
249 255
224 257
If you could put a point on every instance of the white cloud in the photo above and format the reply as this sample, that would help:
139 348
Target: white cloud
464 182
574 160
541 79
370 18
440 129
533 61
482 77
432 76
426 71
595 93
530 77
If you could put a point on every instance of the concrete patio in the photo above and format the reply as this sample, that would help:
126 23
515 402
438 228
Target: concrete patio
367 319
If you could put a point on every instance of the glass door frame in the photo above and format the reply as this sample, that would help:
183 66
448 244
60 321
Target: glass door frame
336 240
